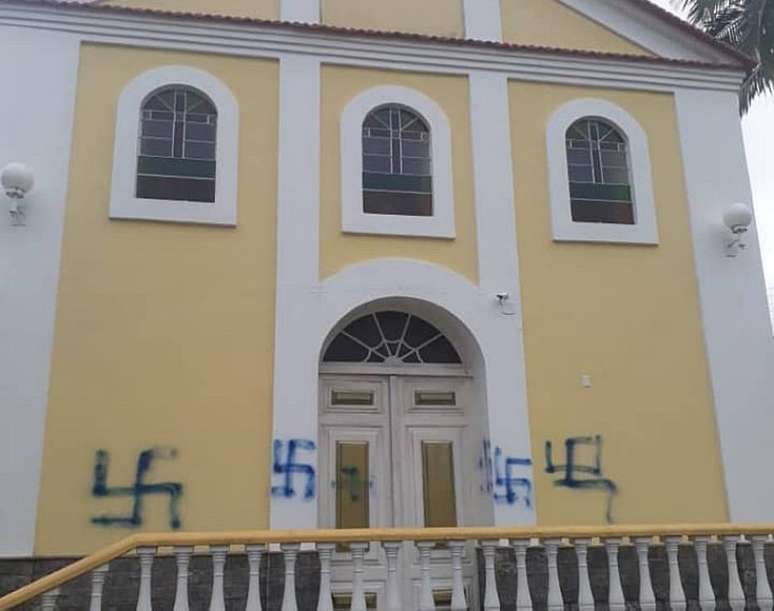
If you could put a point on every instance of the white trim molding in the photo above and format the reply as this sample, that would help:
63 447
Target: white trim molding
645 228
353 218
300 11
123 202
483 20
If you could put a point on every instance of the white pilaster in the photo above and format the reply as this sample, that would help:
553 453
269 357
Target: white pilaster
40 70
737 330
298 214
483 20
499 273
304 11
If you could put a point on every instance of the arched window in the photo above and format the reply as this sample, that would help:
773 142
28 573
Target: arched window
599 173
176 155
391 338
397 168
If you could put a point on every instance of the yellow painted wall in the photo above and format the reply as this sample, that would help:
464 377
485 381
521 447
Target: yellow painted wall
549 23
629 317
256 9
164 332
338 250
439 17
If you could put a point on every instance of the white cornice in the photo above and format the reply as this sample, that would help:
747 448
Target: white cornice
257 40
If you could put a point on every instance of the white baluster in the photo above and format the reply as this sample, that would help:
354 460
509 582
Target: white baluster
48 600
97 584
735 592
146 564
426 599
358 568
290 553
458 602
585 597
647 595
218 598
762 586
491 598
555 601
183 555
523 597
254 553
706 594
391 551
325 552
616 600
676 593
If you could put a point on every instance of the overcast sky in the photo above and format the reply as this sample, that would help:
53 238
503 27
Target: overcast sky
758 128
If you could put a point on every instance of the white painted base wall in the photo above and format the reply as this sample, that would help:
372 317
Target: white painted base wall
39 71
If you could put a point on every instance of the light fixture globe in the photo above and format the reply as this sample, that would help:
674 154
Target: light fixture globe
738 217
17 180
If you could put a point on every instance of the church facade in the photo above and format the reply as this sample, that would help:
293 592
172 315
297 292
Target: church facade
352 263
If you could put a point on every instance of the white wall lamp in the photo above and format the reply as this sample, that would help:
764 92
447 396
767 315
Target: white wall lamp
738 219
17 180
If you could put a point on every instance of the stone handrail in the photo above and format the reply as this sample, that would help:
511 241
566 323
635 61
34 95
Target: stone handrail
144 546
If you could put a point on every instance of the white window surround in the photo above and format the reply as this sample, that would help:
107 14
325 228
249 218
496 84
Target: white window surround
123 202
645 229
353 219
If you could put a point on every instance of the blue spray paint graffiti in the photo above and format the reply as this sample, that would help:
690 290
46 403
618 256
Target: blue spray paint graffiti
500 480
288 467
582 476
136 491
355 485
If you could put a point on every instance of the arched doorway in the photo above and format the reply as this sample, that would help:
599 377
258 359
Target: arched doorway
400 425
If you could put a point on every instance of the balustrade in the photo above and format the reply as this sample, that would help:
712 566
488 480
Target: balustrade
393 551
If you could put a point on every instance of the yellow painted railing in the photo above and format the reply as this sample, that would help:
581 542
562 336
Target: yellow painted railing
254 543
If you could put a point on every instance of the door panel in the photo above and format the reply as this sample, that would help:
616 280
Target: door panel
391 454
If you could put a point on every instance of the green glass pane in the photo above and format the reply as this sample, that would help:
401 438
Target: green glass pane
389 182
162 166
615 193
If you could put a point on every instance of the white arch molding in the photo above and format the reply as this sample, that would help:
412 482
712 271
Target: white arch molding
353 218
123 202
645 229
489 342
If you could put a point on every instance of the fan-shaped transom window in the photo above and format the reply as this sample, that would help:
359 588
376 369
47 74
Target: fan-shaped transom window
177 146
397 169
391 338
598 167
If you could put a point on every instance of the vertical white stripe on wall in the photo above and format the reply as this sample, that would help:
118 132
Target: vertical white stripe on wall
40 71
305 11
298 236
499 273
737 332
483 19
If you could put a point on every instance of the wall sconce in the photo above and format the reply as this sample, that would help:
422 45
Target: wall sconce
738 219
17 180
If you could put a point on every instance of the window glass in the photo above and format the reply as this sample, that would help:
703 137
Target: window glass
393 338
599 173
438 484
177 147
397 171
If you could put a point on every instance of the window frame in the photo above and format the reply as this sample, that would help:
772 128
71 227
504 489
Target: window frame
124 203
645 227
354 220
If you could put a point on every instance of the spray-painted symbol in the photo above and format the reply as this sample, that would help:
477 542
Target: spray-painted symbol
582 476
138 490
288 467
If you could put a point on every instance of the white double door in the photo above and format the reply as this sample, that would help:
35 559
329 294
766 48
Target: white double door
395 452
